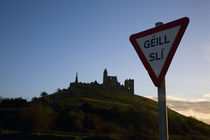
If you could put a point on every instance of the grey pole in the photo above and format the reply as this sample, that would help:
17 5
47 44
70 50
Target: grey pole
162 108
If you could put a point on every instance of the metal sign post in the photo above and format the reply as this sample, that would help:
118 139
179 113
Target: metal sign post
162 112
156 48
162 108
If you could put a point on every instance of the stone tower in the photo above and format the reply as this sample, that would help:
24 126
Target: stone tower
105 77
76 79
129 84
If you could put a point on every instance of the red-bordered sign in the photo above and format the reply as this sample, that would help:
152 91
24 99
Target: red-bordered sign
177 28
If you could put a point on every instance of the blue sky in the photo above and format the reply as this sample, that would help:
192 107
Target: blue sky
43 43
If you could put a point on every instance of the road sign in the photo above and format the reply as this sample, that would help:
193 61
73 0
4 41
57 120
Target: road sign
157 46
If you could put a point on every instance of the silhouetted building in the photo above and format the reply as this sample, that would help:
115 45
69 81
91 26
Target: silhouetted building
129 84
110 83
76 79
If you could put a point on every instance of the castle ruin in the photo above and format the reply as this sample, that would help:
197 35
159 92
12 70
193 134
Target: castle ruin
110 84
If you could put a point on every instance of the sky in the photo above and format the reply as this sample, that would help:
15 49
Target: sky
43 43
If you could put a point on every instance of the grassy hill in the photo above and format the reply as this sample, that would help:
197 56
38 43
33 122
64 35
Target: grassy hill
83 114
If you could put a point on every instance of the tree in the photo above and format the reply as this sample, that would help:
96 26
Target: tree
43 94
13 102
34 99
37 118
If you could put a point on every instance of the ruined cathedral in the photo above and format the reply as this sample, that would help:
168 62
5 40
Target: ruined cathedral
110 84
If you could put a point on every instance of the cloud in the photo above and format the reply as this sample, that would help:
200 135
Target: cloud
176 99
206 95
198 108
193 100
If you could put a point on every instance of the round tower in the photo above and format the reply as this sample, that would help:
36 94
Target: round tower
105 77
76 79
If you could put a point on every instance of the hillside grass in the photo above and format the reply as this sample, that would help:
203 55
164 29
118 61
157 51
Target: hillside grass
83 114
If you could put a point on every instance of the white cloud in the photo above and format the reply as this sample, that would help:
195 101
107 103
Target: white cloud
171 98
176 98
150 97
205 117
206 95
198 108
196 114
195 100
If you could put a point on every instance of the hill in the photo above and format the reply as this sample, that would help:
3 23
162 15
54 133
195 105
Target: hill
83 114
